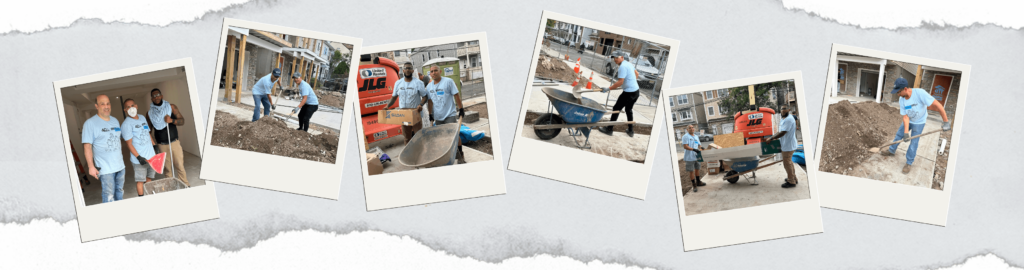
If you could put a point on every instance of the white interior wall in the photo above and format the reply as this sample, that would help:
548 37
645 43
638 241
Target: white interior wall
176 92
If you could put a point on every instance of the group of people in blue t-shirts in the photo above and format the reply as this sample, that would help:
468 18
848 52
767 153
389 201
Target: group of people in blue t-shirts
441 92
102 135
261 96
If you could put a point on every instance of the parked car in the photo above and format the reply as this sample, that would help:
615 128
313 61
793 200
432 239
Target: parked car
649 76
706 137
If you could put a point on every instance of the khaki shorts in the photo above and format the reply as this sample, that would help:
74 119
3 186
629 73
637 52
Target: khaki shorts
692 165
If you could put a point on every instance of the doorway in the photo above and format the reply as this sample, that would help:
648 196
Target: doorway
867 83
940 87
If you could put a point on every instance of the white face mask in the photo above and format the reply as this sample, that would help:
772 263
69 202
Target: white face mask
132 111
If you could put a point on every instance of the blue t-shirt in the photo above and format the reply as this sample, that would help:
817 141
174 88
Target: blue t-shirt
157 113
626 72
917 107
443 95
305 90
789 140
137 130
105 138
263 85
694 143
409 93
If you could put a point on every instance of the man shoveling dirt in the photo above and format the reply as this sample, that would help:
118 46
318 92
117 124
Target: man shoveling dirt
271 136
914 106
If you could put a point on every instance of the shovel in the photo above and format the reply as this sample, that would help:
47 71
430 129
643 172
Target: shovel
876 149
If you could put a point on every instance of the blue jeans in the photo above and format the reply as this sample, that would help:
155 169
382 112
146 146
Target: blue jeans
113 186
257 99
915 129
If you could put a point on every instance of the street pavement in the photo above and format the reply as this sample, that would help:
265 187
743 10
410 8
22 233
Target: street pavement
720 195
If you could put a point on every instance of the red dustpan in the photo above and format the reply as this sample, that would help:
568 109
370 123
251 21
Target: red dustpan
157 162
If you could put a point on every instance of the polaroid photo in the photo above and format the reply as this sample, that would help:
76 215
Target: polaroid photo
738 147
593 102
134 145
425 122
890 128
279 101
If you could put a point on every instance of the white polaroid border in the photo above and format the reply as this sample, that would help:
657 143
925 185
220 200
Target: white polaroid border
311 178
439 184
772 221
147 213
899 201
536 157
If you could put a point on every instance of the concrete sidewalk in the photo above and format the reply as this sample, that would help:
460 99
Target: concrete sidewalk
619 145
719 195
324 116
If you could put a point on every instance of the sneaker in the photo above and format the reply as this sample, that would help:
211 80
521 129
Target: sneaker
885 152
629 132
605 130
906 169
788 185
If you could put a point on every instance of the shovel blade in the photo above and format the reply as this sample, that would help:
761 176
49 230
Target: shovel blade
873 150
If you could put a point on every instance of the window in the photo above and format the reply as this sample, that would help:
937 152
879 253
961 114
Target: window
711 111
671 102
685 115
723 92
707 95
679 134
722 110
675 118
683 99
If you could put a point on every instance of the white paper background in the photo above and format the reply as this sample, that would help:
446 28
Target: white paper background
721 40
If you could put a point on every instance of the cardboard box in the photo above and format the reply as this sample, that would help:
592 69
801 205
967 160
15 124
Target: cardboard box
371 105
374 131
373 165
406 117
714 163
712 171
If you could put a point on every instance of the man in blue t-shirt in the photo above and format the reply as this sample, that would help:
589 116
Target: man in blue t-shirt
627 75
914 106
410 94
445 98
261 93
308 105
691 144
787 133
136 134
101 139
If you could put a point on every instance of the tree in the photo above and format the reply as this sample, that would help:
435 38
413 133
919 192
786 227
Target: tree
738 98
341 67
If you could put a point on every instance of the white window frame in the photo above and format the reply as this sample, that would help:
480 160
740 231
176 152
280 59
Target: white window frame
711 111
671 102
675 118
688 115
684 99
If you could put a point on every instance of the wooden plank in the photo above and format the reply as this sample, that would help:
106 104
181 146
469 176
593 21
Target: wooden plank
229 78
752 150
241 71
729 140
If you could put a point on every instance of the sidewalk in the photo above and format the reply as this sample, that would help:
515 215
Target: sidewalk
719 195
324 116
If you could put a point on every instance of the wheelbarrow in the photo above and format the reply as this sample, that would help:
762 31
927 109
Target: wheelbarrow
163 185
745 159
431 147
578 115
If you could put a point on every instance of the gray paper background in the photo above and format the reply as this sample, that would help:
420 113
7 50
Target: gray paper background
720 40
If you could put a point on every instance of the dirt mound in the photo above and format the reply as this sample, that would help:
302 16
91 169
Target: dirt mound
329 98
551 68
852 129
271 136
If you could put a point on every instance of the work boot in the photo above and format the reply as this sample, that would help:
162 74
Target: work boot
629 132
906 169
885 152
700 183
787 185
605 130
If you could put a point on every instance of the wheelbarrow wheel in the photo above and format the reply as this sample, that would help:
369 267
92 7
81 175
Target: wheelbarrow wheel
548 119
732 176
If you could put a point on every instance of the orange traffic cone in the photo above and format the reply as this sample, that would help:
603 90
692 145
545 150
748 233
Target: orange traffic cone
590 81
576 81
577 68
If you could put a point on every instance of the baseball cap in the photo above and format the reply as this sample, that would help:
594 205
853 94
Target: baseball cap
899 85
296 75
276 72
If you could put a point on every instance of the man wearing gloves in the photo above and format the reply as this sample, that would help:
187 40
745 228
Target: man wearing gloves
101 139
445 97
691 144
261 93
627 75
308 105
914 106
410 95
136 133
165 120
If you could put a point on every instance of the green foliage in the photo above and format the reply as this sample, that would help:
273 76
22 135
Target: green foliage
738 98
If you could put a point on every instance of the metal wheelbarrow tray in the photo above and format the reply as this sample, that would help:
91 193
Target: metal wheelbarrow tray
745 159
432 147
577 115
163 185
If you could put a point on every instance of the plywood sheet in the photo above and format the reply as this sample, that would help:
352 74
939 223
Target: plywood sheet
729 140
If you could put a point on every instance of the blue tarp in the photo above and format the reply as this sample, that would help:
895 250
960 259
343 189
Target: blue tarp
798 155
469 135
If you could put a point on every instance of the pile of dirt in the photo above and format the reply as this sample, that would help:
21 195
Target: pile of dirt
637 128
552 68
482 145
331 98
852 129
479 108
271 136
